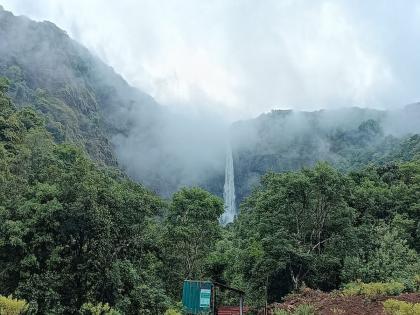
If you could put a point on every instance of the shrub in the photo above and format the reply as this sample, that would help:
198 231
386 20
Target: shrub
98 309
172 311
373 289
303 309
395 307
11 306
416 280
390 259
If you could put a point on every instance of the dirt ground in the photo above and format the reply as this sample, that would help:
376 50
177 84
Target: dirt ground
333 304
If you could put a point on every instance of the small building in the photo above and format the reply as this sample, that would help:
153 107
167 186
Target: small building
199 297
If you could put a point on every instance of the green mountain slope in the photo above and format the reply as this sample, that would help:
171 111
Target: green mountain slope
349 138
84 100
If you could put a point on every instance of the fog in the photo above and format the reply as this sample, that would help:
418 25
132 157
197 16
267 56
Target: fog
242 58
208 64
179 149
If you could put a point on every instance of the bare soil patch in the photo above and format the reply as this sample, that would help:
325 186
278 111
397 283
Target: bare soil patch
334 303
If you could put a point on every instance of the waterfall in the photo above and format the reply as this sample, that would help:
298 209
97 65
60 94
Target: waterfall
229 189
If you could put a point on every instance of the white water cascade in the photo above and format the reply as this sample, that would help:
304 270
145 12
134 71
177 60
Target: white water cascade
229 189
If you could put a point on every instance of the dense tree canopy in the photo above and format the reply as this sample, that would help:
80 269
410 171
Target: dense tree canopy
191 230
322 228
69 231
80 238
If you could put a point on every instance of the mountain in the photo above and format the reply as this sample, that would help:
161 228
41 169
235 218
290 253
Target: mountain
79 237
349 138
83 99
86 102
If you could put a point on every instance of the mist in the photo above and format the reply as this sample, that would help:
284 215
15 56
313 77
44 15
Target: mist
199 67
240 59
180 149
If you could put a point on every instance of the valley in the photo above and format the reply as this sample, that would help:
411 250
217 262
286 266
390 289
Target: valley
109 200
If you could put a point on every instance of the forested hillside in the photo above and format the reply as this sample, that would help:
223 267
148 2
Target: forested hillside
93 219
320 228
72 233
87 103
348 138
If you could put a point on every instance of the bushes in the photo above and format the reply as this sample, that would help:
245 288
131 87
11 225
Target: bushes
11 306
387 257
395 307
416 282
97 309
175 309
172 311
303 309
373 289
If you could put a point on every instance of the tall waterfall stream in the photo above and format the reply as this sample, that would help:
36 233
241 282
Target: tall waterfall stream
229 189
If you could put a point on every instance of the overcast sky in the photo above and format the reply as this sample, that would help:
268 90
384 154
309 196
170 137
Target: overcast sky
243 57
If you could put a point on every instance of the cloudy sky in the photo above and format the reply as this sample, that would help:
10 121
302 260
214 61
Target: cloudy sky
241 58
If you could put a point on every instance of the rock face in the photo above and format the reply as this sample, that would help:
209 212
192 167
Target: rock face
85 102
285 140
83 99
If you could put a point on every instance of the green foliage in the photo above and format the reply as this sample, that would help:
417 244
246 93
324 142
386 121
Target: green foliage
302 309
191 230
292 229
98 309
416 282
386 241
349 139
4 84
72 232
374 289
390 259
395 307
11 306
367 223
172 311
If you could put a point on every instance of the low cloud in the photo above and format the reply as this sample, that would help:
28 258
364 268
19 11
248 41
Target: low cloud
242 58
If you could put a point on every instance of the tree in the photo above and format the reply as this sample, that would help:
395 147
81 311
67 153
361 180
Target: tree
295 227
390 259
72 233
192 228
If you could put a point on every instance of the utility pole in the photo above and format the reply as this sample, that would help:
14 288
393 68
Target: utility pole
266 296
214 300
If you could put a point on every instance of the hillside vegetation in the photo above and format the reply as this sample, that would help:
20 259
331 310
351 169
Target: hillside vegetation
329 200
79 95
74 233
348 138
86 103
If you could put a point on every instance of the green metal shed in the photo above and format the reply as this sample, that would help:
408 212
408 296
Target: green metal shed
197 297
